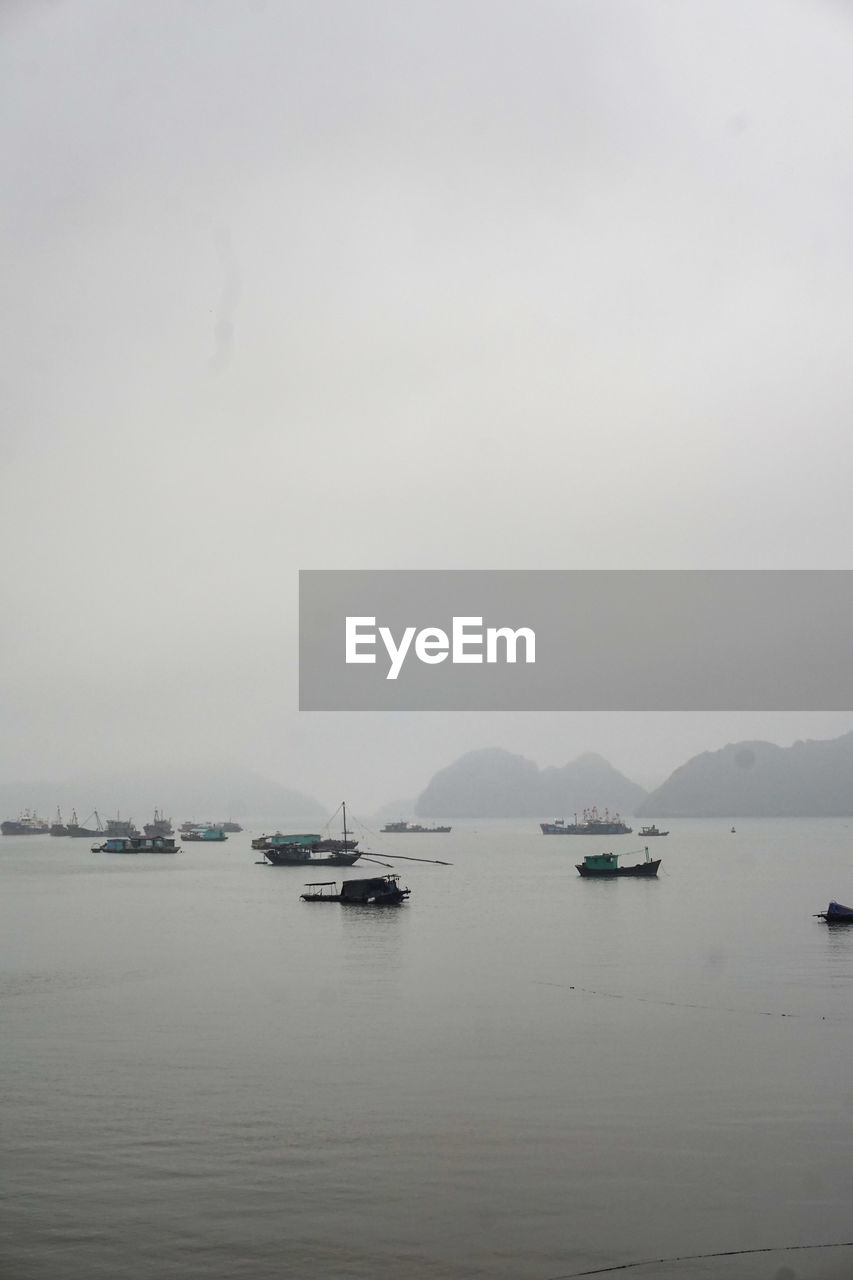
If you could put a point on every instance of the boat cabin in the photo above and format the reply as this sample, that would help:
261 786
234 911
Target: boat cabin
376 889
601 861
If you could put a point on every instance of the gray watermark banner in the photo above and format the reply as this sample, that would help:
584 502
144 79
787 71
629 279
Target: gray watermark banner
575 640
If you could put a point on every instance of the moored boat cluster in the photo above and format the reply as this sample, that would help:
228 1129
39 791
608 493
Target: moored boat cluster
114 829
303 849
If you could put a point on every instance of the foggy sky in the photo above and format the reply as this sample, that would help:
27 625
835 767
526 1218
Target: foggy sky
370 285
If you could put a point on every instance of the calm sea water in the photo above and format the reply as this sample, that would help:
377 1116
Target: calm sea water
516 1074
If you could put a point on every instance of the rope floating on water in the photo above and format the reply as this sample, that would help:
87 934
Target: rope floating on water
698 1257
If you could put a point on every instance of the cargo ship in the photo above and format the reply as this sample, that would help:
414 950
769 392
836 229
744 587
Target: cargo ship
592 824
411 829
79 830
28 824
58 827
119 826
160 826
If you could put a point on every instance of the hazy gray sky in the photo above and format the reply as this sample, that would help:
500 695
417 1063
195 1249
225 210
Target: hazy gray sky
370 285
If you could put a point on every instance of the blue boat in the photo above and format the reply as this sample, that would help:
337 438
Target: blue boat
836 913
136 844
206 834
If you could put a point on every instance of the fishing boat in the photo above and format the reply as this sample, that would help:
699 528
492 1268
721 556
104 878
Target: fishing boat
607 864
592 824
652 831
295 850
296 855
76 829
160 826
58 827
207 835
28 824
378 891
312 841
193 825
836 913
119 826
136 844
412 828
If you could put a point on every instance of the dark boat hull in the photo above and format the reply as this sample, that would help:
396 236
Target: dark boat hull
378 900
376 891
837 913
641 869
281 858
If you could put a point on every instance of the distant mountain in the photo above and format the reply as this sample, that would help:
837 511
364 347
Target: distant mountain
215 794
760 780
493 783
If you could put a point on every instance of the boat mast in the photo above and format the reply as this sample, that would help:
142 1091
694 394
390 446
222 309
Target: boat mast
344 807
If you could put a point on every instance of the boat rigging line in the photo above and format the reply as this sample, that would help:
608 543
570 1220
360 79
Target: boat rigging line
365 857
697 1257
402 857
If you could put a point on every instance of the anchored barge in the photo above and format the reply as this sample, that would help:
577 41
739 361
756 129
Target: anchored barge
136 844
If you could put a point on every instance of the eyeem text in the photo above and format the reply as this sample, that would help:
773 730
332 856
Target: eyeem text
467 642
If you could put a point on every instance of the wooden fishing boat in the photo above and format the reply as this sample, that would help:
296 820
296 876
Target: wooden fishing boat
378 891
297 850
607 864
